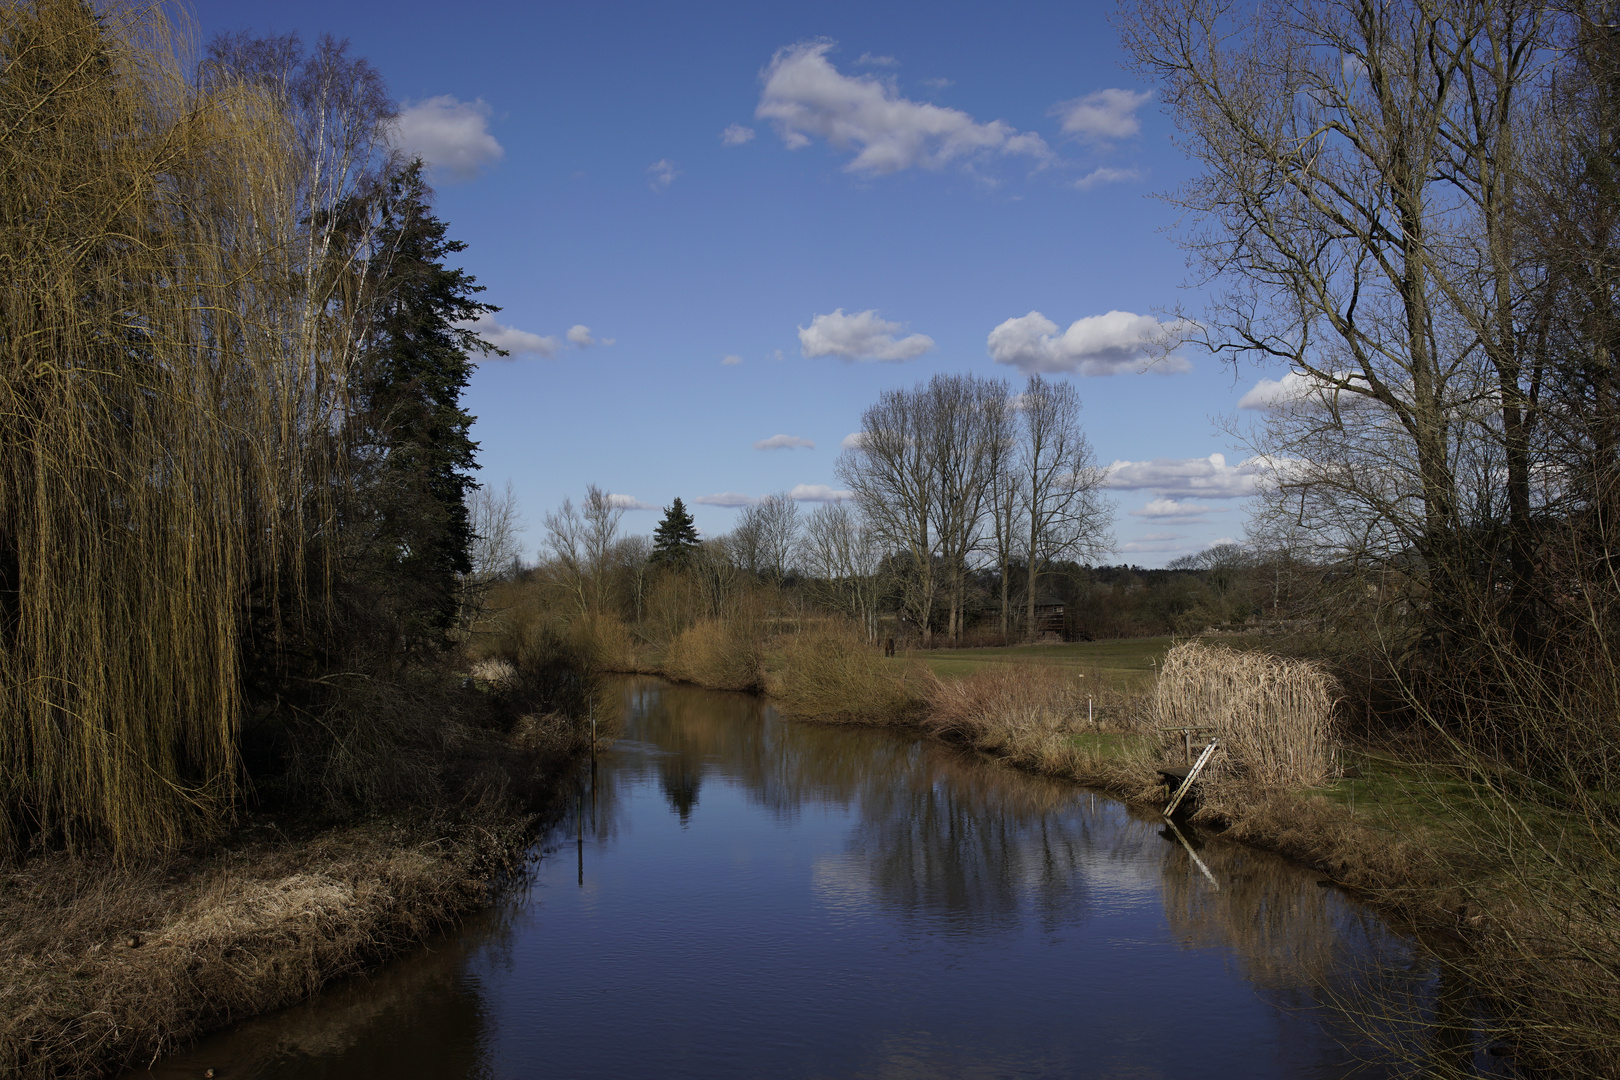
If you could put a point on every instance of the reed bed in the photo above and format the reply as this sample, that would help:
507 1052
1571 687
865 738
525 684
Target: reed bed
1274 717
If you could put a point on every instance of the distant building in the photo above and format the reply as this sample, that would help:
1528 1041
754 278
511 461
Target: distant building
1049 621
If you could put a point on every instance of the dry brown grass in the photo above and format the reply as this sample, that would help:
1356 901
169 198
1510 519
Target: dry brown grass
836 675
102 969
1273 716
721 655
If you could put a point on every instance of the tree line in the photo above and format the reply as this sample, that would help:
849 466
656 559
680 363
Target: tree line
948 479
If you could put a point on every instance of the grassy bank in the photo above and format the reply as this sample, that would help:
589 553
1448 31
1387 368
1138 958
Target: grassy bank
418 806
1407 825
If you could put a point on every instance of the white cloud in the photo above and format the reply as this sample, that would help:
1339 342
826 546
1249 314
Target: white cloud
818 493
784 442
629 502
726 498
1103 115
1181 478
663 172
515 341
1096 345
731 360
852 441
450 136
1154 544
867 59
1102 174
862 336
1294 388
805 96
736 135
1171 510
936 85
580 335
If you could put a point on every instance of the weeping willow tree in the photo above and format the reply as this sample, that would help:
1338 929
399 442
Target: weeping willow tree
174 336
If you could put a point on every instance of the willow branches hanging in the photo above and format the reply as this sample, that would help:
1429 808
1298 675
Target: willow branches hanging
173 355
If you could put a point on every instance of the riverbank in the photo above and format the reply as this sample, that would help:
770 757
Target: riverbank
105 967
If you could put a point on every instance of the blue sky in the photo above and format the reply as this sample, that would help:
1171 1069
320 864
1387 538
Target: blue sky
685 293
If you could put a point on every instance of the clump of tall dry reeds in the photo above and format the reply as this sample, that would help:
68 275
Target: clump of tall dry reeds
171 367
720 654
836 674
1273 716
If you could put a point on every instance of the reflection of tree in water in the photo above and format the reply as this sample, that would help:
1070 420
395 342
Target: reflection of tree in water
680 781
1310 948
938 833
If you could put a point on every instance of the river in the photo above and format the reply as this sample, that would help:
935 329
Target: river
738 896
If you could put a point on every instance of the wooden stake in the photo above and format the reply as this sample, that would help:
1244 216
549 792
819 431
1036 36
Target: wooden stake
1186 785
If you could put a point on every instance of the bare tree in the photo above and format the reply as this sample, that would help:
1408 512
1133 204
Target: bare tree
962 417
890 472
842 557
1357 171
495 523
764 539
582 545
1063 512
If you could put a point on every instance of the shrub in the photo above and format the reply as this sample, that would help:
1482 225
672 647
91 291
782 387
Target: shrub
1273 716
716 654
837 675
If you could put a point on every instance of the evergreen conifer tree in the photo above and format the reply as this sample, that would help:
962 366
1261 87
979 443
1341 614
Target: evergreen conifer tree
676 536
416 362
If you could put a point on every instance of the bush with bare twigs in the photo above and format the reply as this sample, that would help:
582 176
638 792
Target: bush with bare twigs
722 655
836 674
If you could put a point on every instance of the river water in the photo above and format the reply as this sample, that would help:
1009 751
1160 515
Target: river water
737 896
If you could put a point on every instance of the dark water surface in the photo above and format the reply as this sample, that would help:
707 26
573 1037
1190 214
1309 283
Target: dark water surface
743 897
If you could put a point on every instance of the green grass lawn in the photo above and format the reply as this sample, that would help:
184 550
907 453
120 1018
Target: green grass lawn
1123 661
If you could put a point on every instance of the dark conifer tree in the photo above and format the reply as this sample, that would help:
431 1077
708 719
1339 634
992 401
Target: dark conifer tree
418 453
676 536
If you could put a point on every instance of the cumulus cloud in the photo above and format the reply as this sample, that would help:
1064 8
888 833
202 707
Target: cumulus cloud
1171 510
862 336
731 360
1103 115
580 335
736 135
853 441
806 97
818 493
1102 174
452 137
784 442
629 502
1182 478
1096 345
663 172
726 498
1294 388
514 341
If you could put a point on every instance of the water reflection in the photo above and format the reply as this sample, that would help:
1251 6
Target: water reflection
737 896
